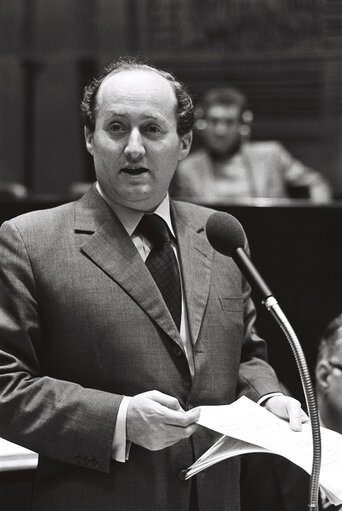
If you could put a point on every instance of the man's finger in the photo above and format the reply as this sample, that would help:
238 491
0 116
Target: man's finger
181 433
164 399
295 414
181 418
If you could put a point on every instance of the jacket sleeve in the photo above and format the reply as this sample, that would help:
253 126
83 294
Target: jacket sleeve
58 419
298 175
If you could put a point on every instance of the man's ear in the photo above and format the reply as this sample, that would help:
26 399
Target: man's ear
88 136
323 374
186 141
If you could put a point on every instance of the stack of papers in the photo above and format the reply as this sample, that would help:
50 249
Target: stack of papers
248 427
15 457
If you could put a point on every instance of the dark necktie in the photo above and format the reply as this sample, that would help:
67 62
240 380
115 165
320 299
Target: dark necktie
162 263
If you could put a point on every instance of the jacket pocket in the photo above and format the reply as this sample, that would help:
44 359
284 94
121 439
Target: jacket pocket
232 304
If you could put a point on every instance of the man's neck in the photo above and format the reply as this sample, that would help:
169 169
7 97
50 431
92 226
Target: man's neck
130 217
220 157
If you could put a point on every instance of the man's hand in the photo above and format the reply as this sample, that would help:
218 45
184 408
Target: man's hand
287 408
156 420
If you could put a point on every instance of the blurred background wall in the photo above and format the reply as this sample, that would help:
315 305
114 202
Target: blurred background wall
286 55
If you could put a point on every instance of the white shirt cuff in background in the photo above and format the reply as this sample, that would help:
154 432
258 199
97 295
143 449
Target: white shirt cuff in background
267 396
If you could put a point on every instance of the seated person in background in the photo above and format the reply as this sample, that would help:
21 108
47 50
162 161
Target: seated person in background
229 166
270 482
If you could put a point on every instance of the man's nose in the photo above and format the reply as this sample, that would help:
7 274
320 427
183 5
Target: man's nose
134 149
221 128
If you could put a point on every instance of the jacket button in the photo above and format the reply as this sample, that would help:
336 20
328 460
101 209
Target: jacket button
177 351
93 464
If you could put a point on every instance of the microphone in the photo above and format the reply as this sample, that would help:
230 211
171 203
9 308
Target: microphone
226 235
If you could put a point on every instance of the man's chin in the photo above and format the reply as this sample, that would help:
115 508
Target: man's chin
145 201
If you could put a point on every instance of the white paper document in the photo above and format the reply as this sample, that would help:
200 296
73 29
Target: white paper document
248 427
15 457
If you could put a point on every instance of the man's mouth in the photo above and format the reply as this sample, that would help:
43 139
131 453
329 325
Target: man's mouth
134 171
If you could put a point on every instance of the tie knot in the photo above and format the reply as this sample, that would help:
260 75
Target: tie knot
155 229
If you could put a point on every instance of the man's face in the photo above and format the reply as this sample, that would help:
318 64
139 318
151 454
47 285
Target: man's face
223 128
334 390
135 144
329 381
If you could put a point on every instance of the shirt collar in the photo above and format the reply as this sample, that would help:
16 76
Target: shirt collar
130 217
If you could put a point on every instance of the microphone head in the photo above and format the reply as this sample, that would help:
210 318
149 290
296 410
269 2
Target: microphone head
225 233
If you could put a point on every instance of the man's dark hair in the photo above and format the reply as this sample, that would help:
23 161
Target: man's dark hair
226 96
185 109
331 335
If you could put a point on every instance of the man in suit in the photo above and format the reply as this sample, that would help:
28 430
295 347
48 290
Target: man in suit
229 166
99 373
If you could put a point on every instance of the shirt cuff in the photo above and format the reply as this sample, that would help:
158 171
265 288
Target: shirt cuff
264 398
120 447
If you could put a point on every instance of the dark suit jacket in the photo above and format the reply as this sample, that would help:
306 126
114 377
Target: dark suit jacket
82 323
272 483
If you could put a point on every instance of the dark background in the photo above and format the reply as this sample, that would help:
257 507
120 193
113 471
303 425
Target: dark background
286 55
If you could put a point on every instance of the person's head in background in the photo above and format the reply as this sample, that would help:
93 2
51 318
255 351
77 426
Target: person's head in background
329 375
223 120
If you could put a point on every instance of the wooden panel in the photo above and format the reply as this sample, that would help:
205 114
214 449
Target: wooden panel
332 24
66 25
285 55
12 23
278 87
11 120
113 26
221 27
58 140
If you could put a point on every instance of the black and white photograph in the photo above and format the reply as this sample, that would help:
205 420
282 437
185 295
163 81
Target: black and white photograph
171 255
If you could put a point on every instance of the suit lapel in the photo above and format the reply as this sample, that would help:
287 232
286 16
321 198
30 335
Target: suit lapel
112 250
196 256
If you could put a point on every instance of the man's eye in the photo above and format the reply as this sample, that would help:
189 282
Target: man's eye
153 128
116 127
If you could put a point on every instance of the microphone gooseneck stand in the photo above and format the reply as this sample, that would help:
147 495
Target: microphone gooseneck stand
226 235
272 306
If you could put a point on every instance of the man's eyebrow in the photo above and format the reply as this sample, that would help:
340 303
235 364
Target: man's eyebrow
145 115
114 113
